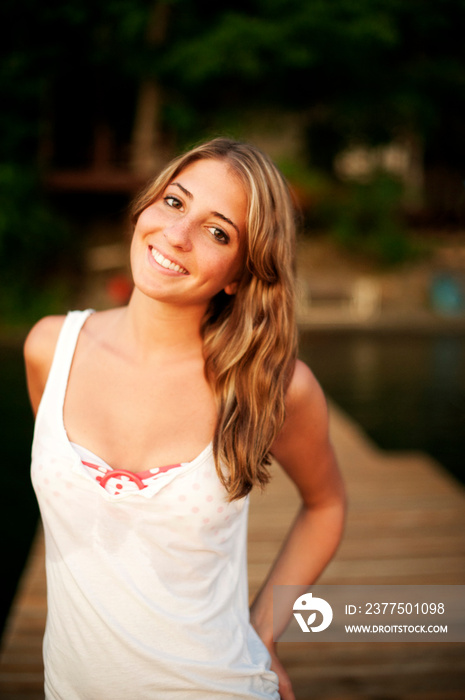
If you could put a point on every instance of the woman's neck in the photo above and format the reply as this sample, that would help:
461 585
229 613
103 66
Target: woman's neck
159 328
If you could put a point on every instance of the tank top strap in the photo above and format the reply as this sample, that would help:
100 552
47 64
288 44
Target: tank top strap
57 382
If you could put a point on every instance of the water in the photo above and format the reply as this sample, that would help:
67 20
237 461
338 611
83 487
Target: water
407 392
19 511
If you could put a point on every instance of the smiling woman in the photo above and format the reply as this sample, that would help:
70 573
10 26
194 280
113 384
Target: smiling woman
154 421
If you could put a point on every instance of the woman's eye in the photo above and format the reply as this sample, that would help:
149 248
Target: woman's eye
219 235
172 201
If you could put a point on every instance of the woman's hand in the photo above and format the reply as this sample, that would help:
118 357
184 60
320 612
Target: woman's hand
285 685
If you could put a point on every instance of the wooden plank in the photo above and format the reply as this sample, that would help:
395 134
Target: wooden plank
406 525
21 667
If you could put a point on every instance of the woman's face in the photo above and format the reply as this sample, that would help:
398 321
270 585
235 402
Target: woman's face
189 244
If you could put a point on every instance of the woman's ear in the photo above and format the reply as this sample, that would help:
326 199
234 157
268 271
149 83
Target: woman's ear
231 289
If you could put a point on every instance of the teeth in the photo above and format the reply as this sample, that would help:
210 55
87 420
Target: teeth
168 264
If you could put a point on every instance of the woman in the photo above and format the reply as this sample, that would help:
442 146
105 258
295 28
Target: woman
146 563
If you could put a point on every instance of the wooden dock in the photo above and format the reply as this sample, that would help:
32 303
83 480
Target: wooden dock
406 525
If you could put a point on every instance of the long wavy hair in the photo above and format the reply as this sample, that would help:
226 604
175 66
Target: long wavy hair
249 338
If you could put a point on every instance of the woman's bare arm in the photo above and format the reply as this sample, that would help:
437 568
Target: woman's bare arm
304 451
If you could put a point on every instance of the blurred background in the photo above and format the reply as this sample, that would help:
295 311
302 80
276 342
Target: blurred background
361 104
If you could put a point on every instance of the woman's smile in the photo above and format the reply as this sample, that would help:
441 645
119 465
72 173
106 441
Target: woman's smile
166 263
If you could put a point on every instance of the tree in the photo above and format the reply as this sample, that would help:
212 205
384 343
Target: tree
356 70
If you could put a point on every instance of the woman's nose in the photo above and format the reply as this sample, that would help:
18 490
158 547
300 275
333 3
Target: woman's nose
179 234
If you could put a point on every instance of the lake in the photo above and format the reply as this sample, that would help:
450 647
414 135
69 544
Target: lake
19 511
406 391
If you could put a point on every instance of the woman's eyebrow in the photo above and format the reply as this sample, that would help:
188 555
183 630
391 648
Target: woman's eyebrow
183 189
225 218
215 213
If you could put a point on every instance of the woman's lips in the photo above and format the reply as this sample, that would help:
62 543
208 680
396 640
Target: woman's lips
166 262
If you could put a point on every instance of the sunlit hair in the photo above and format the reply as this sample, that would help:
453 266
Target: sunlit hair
249 339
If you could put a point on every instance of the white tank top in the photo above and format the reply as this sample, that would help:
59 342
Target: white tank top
146 577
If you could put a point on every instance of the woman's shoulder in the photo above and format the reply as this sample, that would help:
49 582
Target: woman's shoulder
39 349
41 340
40 345
304 388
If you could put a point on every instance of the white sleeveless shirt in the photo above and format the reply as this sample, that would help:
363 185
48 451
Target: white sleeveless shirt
146 578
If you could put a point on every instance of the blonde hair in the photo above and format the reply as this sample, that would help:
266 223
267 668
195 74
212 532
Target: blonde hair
249 339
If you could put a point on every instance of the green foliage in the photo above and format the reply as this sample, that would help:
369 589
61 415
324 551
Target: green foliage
354 70
364 70
366 218
34 245
312 190
361 68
